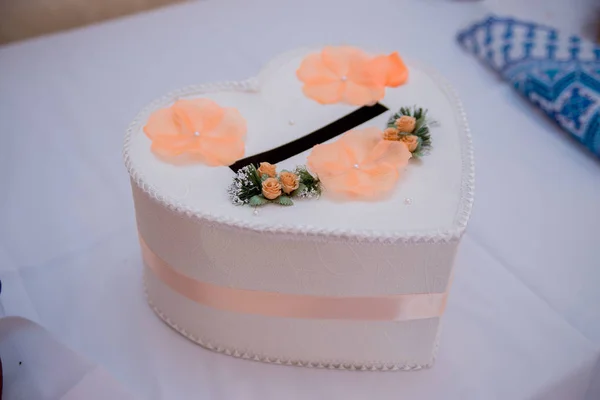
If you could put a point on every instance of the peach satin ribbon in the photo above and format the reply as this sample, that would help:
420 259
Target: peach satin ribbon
399 307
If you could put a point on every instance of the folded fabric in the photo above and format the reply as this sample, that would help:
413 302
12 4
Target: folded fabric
560 74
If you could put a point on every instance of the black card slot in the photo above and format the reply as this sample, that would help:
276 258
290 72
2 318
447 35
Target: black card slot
321 135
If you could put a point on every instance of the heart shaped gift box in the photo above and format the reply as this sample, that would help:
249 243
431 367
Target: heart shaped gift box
325 283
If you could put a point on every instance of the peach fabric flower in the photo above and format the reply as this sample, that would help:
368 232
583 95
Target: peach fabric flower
197 130
389 70
411 142
271 188
267 168
349 75
289 181
359 165
406 124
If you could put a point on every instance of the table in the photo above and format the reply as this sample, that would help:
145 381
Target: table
522 321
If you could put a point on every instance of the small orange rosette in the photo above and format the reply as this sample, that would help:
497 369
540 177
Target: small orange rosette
360 165
197 130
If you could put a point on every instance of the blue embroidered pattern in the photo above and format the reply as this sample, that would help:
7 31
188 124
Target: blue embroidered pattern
559 74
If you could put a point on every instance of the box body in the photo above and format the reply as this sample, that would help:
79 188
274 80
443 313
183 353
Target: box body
315 265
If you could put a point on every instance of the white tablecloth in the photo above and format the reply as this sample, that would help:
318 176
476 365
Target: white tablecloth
523 320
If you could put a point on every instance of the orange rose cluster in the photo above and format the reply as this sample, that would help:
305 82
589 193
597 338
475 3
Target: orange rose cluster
259 186
409 127
405 125
273 186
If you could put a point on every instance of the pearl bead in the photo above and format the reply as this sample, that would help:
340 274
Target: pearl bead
408 201
344 78
196 133
356 166
255 212
291 122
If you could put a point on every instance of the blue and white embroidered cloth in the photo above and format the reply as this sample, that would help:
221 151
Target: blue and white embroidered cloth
558 73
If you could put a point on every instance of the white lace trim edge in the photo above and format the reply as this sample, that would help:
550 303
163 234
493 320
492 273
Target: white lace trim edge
246 355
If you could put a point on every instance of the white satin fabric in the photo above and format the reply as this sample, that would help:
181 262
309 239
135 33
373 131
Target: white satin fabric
522 320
